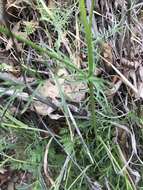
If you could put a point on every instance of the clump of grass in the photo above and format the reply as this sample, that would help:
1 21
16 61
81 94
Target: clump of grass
85 154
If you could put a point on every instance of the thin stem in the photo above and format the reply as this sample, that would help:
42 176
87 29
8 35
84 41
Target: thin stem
92 106
51 53
91 13
88 36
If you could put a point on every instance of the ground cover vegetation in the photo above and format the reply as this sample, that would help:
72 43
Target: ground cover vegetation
71 90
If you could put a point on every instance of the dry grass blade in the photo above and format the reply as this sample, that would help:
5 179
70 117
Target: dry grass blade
50 180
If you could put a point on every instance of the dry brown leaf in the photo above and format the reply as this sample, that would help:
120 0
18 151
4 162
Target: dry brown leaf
47 90
74 92
107 54
42 108
62 74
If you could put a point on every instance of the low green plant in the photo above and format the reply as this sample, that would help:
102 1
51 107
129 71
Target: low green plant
84 154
